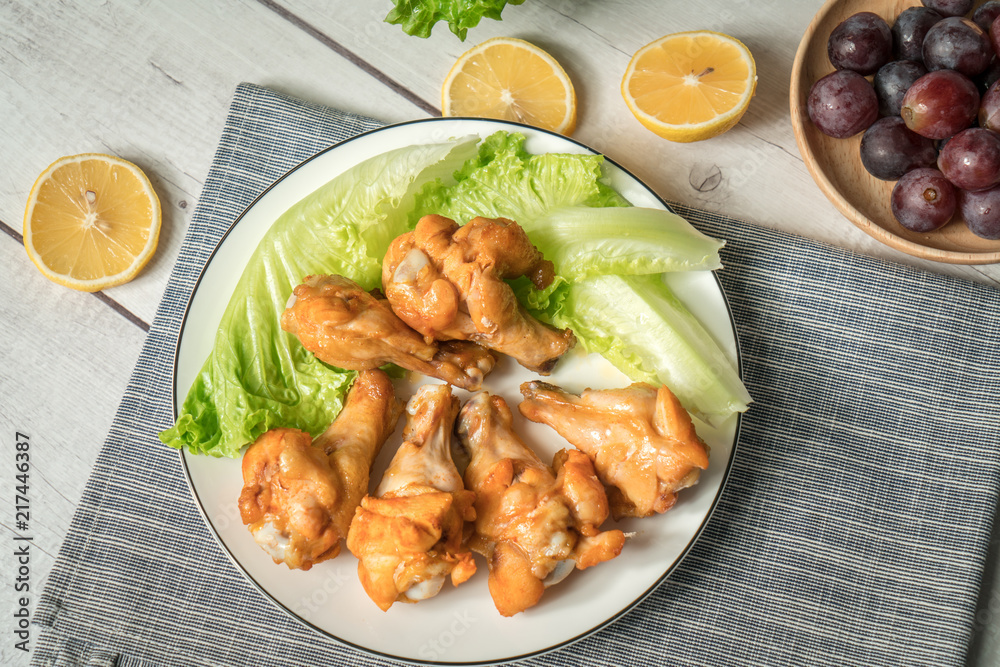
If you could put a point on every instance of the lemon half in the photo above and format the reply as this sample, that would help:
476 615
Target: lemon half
690 86
510 79
92 221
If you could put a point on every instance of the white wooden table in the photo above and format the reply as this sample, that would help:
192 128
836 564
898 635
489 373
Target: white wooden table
151 81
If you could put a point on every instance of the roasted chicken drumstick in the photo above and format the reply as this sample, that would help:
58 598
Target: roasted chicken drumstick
298 494
347 327
409 537
641 440
447 282
534 524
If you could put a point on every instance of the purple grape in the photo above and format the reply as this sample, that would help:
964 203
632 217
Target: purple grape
986 13
940 103
908 32
950 7
981 211
923 200
958 44
989 108
889 149
891 83
994 35
842 103
862 42
971 159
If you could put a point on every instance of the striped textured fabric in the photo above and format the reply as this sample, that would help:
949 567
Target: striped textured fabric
853 528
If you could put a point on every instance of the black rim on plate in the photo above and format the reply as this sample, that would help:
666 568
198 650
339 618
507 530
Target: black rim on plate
491 661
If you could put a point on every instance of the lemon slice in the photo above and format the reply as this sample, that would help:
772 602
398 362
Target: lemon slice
92 221
510 79
690 86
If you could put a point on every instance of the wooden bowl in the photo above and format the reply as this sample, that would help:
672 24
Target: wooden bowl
835 164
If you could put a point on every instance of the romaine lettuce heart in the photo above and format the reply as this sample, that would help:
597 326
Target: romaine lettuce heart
608 256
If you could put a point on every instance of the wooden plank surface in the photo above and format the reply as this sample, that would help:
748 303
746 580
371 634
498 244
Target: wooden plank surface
66 363
151 81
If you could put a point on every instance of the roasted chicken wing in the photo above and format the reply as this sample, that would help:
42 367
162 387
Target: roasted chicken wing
298 494
409 537
534 524
447 282
347 327
641 440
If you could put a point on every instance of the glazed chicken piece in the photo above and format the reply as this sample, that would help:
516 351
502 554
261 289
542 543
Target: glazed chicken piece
534 524
347 327
641 440
299 494
409 536
447 282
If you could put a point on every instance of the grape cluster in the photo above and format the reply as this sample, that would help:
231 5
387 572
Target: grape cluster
925 91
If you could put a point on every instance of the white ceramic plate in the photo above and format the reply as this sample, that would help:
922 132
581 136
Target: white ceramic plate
460 625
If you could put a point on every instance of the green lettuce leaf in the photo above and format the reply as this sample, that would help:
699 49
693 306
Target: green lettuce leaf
645 240
505 181
418 17
643 329
259 377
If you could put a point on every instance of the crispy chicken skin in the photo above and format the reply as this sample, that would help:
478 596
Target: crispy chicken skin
447 282
347 327
640 438
409 536
534 524
299 495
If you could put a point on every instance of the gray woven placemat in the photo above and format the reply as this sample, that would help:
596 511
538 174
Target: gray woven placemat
853 529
